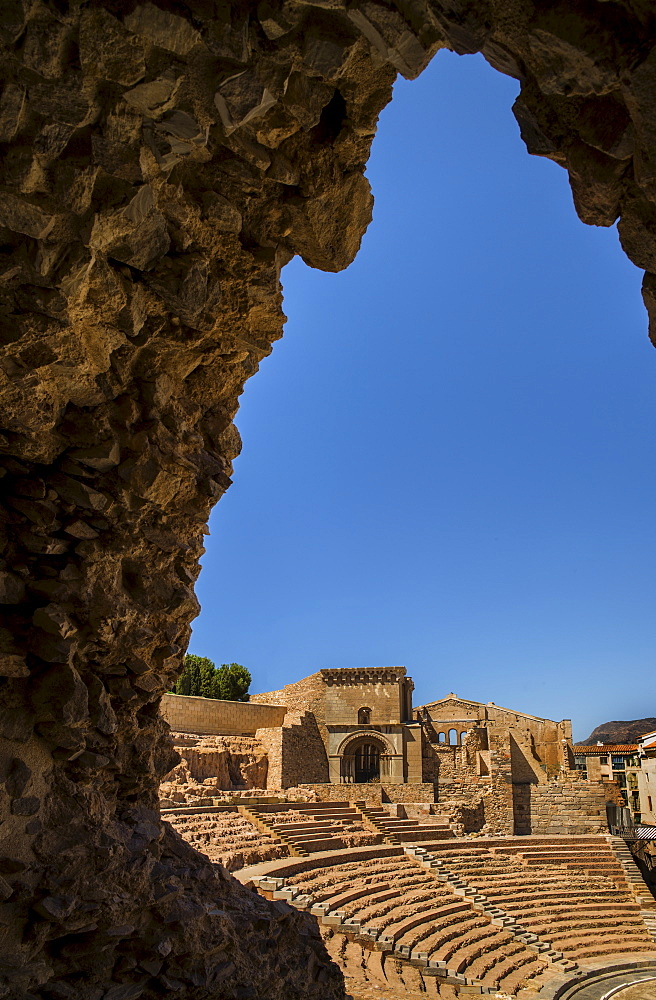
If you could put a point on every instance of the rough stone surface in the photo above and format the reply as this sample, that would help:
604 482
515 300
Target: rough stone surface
161 163
212 764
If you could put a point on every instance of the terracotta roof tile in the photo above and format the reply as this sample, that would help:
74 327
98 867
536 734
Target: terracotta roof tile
607 748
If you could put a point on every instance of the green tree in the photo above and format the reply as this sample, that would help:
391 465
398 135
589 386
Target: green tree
194 676
201 678
207 672
231 682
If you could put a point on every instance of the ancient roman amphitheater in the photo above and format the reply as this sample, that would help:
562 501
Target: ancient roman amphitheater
448 849
161 162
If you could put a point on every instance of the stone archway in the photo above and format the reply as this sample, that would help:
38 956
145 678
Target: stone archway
364 757
163 162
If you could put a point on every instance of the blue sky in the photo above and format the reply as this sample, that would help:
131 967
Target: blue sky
449 459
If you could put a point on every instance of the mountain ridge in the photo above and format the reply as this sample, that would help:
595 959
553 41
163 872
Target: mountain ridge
619 732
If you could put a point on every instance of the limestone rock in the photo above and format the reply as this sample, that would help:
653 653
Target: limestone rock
162 163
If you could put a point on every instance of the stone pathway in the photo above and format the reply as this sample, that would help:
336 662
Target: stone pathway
370 991
622 985
640 991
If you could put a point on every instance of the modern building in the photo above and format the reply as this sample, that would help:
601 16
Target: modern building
647 778
620 762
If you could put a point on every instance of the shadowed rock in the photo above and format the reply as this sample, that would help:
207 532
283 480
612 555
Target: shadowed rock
162 163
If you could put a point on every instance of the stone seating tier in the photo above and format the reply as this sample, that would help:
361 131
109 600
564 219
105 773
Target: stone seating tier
574 896
486 911
404 906
224 835
319 826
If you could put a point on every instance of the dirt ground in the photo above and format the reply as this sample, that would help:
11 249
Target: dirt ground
359 991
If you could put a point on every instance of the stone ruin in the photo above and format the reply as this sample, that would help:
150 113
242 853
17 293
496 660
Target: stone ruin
352 733
210 765
162 162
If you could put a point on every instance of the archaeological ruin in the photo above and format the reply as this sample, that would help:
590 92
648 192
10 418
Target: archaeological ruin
490 768
444 848
162 161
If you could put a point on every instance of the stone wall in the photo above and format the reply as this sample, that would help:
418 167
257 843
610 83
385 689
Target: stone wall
306 695
213 763
454 768
570 807
380 689
295 751
417 792
546 739
373 793
210 716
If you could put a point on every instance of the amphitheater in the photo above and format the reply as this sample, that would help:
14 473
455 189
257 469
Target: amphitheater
423 874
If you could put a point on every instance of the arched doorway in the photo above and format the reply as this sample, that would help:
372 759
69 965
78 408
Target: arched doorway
364 759
367 762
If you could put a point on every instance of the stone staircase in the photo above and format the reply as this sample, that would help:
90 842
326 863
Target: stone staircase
314 827
575 904
639 888
405 831
485 914
495 913
226 834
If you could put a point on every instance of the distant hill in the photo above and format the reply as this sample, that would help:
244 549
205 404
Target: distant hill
619 732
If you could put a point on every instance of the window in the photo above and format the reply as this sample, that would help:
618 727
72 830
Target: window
453 738
603 760
463 737
619 763
364 716
620 778
441 738
580 763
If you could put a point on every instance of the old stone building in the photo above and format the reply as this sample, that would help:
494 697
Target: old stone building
545 744
363 716
647 778
631 766
353 733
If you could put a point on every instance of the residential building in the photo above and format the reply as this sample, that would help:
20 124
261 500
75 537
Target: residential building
647 778
620 762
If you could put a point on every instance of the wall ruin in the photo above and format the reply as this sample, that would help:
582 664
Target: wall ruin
162 163
212 764
188 714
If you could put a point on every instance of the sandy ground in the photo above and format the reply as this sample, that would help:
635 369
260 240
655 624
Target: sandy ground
359 991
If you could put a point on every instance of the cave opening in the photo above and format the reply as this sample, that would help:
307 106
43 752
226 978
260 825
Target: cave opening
487 340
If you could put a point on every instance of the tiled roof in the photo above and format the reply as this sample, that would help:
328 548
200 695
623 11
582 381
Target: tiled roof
649 746
607 748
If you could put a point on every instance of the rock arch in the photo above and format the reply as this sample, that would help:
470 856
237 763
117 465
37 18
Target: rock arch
164 161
